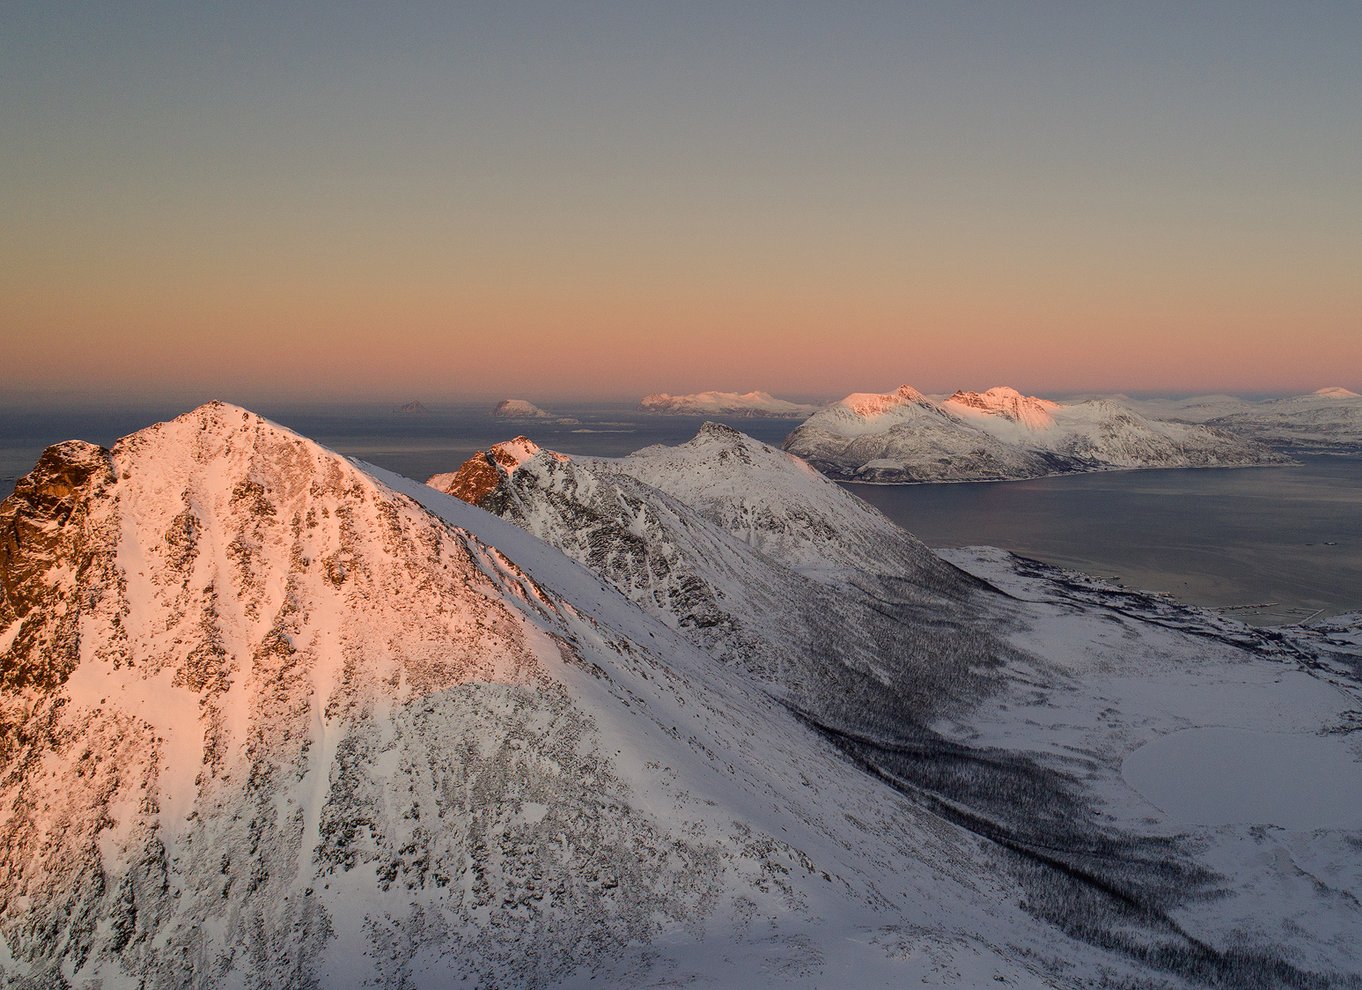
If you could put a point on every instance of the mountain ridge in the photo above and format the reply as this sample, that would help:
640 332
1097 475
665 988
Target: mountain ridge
1001 435
287 719
716 403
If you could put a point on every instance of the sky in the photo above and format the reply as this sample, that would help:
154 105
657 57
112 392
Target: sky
598 200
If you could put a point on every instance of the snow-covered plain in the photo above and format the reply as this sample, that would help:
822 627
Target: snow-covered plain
1218 775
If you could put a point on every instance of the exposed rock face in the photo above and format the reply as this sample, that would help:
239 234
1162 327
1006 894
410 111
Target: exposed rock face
476 478
482 474
48 542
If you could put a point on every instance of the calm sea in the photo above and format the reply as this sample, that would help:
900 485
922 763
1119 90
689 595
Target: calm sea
1285 541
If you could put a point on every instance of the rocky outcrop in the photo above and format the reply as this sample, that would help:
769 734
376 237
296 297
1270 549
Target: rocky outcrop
48 544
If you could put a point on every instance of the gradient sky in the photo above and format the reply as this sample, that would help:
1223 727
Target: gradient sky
561 200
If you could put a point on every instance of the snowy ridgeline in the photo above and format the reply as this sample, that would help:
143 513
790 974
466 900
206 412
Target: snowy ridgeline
726 404
1328 419
1000 434
696 715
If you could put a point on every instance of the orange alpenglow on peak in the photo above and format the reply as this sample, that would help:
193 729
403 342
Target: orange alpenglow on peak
1008 403
868 404
482 474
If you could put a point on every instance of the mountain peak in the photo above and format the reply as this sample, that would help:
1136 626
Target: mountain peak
1006 402
483 473
1003 392
755 403
62 469
870 404
215 416
1336 392
1001 434
718 431
519 409
213 430
514 452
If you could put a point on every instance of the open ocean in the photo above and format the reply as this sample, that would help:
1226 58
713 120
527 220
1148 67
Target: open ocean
1287 541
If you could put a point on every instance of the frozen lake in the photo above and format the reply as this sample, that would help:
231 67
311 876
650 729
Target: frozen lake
1225 776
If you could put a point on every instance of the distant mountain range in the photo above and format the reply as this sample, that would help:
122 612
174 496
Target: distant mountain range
727 404
1328 419
1000 434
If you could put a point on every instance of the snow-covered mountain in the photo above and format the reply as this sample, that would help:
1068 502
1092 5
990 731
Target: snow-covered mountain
1000 434
519 409
733 538
1124 673
523 409
729 404
1195 409
1327 419
269 722
482 473
273 718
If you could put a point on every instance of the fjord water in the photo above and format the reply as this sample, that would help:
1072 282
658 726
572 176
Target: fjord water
1291 536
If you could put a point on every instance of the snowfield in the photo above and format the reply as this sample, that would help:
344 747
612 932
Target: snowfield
1226 776
274 718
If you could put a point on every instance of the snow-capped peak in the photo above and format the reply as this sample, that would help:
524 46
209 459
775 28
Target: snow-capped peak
484 472
1001 400
870 404
514 452
1336 392
778 503
999 434
519 409
711 431
713 403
